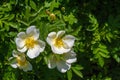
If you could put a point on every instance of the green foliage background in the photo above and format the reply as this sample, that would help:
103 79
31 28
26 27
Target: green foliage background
94 23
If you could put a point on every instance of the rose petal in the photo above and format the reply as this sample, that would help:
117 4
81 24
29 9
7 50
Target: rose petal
62 66
70 57
27 67
51 37
14 53
22 49
36 34
20 42
14 65
21 35
60 50
69 40
42 45
34 52
13 62
32 31
60 34
52 62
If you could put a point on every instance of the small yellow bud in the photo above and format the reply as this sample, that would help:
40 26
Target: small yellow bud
52 16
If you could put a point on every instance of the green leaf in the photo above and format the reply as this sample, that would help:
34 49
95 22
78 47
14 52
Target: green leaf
45 59
70 19
47 4
93 23
95 51
69 74
108 78
76 32
11 17
59 24
78 67
9 76
12 34
77 72
104 50
117 58
101 61
14 25
104 55
33 5
109 36
27 12
54 5
102 46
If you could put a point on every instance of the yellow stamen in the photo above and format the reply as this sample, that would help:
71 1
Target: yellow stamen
30 42
21 62
58 42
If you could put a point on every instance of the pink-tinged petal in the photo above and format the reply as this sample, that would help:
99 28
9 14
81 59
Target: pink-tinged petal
60 50
21 35
51 37
32 31
70 57
60 34
51 62
69 40
20 42
22 49
62 66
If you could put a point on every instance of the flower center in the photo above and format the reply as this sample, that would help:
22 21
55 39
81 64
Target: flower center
58 42
30 42
21 62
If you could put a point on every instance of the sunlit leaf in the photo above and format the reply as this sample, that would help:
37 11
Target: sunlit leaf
101 61
33 5
77 72
70 19
69 75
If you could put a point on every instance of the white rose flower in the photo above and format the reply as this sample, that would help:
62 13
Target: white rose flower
59 43
62 62
19 60
30 42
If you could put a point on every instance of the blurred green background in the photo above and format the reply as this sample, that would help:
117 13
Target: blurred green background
94 23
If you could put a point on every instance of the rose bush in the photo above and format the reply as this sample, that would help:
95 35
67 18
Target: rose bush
70 40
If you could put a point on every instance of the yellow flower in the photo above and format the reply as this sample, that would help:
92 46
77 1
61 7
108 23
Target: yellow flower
59 43
30 42
19 60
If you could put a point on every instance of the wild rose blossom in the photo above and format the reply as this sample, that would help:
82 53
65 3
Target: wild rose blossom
19 61
59 43
30 42
62 61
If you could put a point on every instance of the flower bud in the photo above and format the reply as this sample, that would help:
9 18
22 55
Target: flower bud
47 12
63 9
52 16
